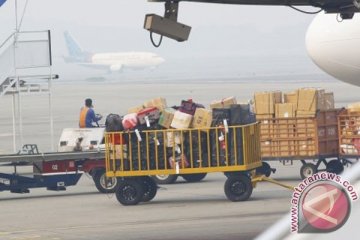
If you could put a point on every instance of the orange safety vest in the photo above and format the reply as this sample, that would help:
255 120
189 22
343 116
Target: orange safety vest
83 113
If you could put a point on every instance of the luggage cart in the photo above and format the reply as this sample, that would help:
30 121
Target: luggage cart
234 150
349 137
311 140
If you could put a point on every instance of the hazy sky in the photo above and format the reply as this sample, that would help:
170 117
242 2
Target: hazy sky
218 30
130 13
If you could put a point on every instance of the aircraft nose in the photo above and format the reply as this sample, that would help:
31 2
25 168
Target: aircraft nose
329 44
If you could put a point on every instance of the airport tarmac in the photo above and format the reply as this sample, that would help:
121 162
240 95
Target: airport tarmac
179 211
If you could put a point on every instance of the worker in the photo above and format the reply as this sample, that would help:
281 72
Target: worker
88 116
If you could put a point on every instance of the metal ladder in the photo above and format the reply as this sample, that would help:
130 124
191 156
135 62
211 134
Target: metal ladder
7 65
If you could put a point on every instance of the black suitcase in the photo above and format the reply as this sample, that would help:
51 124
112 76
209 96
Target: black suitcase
218 116
113 123
197 148
240 114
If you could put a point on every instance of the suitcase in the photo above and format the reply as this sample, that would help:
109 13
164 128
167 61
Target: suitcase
240 114
148 116
189 107
113 123
218 116
193 148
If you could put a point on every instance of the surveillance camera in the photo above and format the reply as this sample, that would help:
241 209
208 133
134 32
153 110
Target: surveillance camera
167 27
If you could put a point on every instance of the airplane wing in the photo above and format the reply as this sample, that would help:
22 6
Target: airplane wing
329 6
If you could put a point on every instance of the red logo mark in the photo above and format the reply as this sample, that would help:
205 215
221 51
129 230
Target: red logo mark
326 207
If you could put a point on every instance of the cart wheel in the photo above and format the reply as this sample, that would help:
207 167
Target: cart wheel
265 169
165 178
334 166
196 177
104 184
307 170
238 188
129 192
149 187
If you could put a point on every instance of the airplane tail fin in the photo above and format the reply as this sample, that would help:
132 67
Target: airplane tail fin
75 52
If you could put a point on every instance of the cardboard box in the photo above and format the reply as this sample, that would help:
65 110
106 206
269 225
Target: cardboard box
202 118
305 113
223 103
167 117
321 99
291 97
121 151
181 120
265 102
329 101
287 148
354 107
159 103
264 116
278 97
173 139
284 110
307 148
135 109
310 99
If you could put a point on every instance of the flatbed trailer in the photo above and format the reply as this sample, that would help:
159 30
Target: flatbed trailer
51 170
234 151
79 151
311 140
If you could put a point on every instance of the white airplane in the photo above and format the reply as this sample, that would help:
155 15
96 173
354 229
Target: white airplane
333 45
113 62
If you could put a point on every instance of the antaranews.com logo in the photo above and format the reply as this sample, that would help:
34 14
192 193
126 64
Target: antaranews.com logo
321 203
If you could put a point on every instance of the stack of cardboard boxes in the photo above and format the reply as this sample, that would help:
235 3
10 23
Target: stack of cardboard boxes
172 118
265 104
304 102
288 119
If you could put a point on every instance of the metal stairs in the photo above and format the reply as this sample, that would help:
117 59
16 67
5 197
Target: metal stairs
15 63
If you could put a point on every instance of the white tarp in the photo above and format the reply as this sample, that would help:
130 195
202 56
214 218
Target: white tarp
6 63
32 54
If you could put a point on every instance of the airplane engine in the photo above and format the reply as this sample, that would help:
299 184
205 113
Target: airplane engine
116 68
333 45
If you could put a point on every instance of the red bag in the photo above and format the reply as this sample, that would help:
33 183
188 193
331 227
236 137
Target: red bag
116 139
148 115
130 121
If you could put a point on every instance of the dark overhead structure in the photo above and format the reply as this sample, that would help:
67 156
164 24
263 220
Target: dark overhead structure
168 25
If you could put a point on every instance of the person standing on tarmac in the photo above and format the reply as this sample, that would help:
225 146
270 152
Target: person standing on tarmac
88 116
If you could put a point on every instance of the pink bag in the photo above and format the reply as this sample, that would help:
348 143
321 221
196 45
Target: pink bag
130 121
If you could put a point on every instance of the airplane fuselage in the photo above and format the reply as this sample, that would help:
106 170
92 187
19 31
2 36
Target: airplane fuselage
135 60
333 45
